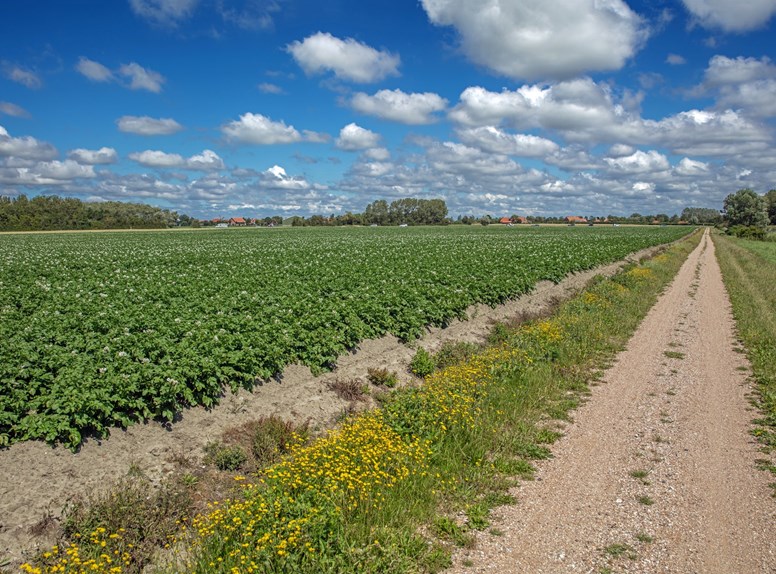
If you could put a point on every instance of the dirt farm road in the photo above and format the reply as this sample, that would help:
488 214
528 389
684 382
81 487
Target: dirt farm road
657 472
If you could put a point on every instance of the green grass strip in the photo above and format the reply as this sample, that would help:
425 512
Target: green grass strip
749 272
386 491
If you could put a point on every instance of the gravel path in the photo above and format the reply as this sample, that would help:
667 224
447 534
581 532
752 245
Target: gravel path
657 474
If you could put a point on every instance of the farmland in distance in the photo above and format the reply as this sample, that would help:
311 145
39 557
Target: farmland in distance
102 330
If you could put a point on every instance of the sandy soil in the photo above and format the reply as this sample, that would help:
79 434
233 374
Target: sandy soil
37 480
684 419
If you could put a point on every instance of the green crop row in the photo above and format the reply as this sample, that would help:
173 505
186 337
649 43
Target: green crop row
102 330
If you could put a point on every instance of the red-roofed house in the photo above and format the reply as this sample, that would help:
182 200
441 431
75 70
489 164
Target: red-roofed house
520 219
237 222
574 219
505 221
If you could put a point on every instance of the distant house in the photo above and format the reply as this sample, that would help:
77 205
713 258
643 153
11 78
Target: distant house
519 219
505 221
574 219
237 222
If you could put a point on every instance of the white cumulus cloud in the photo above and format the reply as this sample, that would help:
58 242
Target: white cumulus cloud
146 126
353 137
23 76
141 78
102 156
690 167
208 160
94 70
396 105
258 129
277 178
46 173
155 158
494 140
11 109
638 163
26 147
732 15
348 59
540 39
164 12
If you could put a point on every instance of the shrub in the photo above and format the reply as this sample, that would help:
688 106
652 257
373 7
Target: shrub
422 363
747 232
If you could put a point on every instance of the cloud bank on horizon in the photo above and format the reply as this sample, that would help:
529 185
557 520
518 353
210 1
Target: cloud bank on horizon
586 107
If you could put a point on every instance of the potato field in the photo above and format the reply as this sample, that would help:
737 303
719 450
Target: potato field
99 330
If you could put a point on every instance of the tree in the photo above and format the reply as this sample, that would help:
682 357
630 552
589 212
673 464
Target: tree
745 207
701 215
770 200
376 212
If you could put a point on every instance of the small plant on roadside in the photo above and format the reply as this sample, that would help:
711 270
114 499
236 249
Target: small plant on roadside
673 354
349 389
224 457
645 538
446 528
381 377
273 437
499 334
454 353
617 550
478 516
645 500
422 363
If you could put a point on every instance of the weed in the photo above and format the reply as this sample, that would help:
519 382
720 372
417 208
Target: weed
499 334
454 353
645 500
381 377
225 457
272 437
617 550
478 516
446 528
673 354
547 436
349 389
645 538
422 363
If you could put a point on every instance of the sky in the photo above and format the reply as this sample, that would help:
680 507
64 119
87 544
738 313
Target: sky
216 108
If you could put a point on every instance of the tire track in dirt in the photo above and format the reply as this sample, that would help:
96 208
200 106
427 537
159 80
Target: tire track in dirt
657 474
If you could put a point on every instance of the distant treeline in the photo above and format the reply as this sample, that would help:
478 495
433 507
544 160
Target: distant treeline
409 211
412 211
53 213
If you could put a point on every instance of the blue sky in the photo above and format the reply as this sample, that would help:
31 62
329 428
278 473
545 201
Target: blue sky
255 108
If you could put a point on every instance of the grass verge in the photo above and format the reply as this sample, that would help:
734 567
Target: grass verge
749 272
397 488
